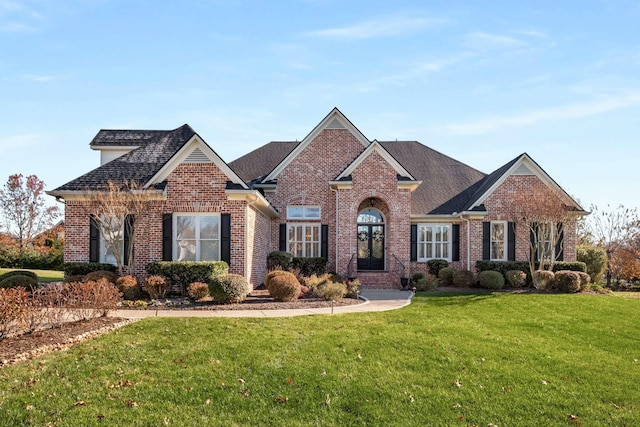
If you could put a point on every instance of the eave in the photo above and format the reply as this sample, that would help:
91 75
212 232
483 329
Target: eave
253 198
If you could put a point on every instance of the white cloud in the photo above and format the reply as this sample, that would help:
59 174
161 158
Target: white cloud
43 78
383 27
486 41
16 27
566 112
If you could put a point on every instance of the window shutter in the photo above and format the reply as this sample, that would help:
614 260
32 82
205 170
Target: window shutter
324 241
283 237
225 238
533 235
560 243
94 240
511 241
414 242
167 237
128 231
455 242
486 240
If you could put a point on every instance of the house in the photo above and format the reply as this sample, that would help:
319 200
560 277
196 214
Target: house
376 210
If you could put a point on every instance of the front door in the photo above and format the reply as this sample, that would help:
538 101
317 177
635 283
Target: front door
370 247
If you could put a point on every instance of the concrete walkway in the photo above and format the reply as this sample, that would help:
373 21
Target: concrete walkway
375 300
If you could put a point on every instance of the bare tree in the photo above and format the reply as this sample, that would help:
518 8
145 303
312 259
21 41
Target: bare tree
117 212
24 210
612 229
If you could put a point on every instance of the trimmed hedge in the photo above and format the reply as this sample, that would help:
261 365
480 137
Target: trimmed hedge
490 279
309 266
182 273
17 280
284 288
503 266
569 266
31 274
446 276
84 268
229 288
567 281
463 279
435 265
279 260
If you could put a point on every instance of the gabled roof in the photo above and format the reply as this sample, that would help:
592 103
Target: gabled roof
126 138
261 161
334 120
376 147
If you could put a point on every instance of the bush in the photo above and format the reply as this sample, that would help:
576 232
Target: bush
101 274
279 260
446 275
543 279
425 284
27 273
84 268
516 278
489 279
569 266
198 290
416 277
504 266
435 265
182 273
74 278
13 310
595 259
18 281
567 281
309 266
585 279
331 291
156 286
353 288
128 286
313 282
229 288
462 278
270 275
284 287
92 298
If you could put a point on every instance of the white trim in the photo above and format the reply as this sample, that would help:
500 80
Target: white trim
304 217
505 240
254 198
113 147
341 185
197 215
304 225
433 242
375 146
84 195
335 114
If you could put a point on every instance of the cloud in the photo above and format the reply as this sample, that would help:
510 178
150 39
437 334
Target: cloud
566 112
12 15
43 78
16 27
486 41
384 27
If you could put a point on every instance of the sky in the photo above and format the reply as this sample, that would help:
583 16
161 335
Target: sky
481 82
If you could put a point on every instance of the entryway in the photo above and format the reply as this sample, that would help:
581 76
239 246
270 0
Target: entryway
370 240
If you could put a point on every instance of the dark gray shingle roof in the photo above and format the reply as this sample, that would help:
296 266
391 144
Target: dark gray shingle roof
262 160
126 138
139 165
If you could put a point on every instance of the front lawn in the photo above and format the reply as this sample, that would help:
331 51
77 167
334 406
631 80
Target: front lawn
447 359
44 276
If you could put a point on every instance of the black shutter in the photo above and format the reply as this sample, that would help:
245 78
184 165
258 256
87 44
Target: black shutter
486 240
414 242
533 235
455 242
225 238
128 230
511 241
94 240
324 241
560 242
283 238
167 237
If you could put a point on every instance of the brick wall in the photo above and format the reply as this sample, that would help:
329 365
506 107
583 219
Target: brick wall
258 246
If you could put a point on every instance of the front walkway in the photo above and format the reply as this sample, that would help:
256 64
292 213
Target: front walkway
375 300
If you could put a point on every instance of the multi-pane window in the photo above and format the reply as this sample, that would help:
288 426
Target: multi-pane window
303 212
434 241
303 240
114 238
196 237
498 240
545 241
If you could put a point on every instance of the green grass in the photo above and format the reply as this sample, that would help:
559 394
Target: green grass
43 275
519 359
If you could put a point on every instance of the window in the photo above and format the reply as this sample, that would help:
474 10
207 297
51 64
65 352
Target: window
498 240
434 241
196 237
303 212
115 225
303 240
545 242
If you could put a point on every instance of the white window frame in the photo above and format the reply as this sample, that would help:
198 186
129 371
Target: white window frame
505 250
317 244
197 216
424 243
307 212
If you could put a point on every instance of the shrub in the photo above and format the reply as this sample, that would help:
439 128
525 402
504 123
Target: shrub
503 267
279 260
462 278
570 266
425 284
585 279
313 282
270 275
18 281
284 288
182 273
543 279
353 288
74 278
446 275
198 290
567 281
309 266
416 277
435 265
92 298
229 288
27 273
489 279
128 286
595 259
156 286
13 303
101 274
331 291
84 268
516 278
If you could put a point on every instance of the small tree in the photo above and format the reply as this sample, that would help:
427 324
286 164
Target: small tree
116 212
24 210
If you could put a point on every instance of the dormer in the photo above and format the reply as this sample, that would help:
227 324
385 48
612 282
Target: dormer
115 143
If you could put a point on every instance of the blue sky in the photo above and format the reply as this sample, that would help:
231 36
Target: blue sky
479 81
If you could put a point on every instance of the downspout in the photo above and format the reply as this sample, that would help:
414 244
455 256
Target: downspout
468 241
335 190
